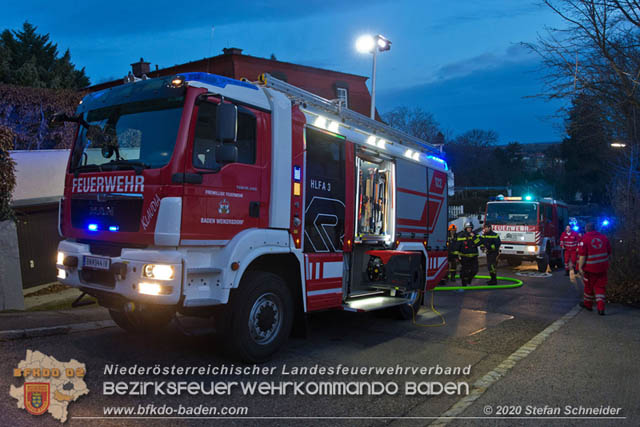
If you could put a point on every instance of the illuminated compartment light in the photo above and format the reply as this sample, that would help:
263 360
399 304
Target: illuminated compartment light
114 228
60 258
382 143
416 156
371 140
334 126
62 274
320 122
408 153
92 227
153 289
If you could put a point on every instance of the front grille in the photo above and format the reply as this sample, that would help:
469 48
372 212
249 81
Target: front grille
104 278
105 250
120 211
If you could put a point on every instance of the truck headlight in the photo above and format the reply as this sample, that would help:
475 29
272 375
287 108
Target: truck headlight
532 249
158 271
60 258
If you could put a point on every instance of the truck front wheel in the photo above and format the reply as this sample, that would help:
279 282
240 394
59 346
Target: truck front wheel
148 321
543 262
262 316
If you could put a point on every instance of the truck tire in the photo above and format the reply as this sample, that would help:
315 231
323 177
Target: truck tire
514 261
143 321
543 262
261 318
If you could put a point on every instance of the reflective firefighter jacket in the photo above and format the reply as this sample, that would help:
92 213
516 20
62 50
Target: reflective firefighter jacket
451 244
466 245
490 241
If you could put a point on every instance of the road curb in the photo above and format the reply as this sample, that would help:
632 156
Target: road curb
16 334
483 384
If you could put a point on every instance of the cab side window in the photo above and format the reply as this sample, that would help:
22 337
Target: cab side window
205 143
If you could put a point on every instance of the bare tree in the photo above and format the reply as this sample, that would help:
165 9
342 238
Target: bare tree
596 55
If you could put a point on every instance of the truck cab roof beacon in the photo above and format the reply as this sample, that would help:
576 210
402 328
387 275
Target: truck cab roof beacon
249 202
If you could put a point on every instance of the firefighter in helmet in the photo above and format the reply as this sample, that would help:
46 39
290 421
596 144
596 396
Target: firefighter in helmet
452 254
491 244
467 244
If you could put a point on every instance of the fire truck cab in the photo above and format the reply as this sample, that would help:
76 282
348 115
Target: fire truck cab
252 203
529 229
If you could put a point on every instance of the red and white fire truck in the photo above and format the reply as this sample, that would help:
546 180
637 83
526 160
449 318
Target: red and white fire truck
529 229
252 203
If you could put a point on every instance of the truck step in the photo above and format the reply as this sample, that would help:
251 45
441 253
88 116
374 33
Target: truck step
373 303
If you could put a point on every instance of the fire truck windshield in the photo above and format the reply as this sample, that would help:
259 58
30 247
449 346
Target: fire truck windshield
512 213
134 135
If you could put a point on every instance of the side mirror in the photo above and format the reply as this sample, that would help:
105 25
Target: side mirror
227 123
226 153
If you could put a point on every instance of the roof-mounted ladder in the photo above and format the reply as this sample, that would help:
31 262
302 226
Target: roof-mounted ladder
347 116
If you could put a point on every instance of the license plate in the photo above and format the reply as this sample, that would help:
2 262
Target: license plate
96 263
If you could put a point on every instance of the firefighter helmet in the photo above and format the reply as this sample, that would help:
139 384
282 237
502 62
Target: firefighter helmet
468 224
452 227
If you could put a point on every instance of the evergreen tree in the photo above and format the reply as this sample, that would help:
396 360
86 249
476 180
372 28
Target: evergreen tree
31 59
586 151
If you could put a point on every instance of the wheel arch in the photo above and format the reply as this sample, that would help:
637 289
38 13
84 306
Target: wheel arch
285 265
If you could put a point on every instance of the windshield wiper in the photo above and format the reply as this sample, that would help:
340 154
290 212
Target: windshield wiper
137 166
85 168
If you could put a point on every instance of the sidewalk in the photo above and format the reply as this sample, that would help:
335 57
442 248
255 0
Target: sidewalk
591 362
50 313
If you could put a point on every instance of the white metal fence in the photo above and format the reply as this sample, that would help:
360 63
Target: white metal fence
456 211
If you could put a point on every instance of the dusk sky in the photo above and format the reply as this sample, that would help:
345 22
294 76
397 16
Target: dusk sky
460 60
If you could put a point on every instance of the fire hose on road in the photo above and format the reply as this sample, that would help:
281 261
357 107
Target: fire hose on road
515 284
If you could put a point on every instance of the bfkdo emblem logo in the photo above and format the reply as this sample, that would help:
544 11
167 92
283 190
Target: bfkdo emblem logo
36 397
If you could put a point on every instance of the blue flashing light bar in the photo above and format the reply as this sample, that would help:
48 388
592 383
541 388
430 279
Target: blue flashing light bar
92 227
216 80
114 228
439 160
528 197
576 228
605 222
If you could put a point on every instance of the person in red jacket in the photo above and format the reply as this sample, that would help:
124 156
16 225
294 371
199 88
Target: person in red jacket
569 242
594 250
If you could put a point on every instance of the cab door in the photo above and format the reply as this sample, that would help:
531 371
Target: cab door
225 197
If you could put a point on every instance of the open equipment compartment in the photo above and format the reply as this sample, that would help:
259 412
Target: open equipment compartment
374 219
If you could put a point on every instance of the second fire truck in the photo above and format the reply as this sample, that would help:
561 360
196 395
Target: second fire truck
529 229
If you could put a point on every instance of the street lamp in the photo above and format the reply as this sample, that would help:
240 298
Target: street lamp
618 144
373 44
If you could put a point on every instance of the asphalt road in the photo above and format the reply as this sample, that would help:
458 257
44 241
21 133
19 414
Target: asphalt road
482 329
